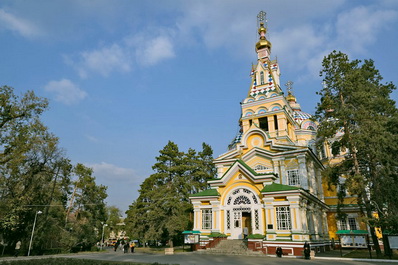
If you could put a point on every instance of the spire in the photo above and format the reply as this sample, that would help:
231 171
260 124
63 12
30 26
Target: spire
262 30
290 97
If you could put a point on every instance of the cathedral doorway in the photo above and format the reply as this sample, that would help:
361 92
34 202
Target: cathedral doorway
243 209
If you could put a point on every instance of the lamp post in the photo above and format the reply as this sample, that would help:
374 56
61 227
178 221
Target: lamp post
102 238
33 231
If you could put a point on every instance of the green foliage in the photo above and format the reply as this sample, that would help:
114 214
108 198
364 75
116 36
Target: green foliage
218 235
255 236
36 176
162 210
359 119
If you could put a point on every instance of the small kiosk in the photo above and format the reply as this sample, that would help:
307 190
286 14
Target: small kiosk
191 238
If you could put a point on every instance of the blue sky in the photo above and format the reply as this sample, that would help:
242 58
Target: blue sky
125 77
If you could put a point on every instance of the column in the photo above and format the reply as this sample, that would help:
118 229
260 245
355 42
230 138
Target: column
216 220
271 126
302 170
283 171
196 216
318 176
275 163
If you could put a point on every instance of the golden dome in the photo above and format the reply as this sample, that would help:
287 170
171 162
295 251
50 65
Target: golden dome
263 42
290 97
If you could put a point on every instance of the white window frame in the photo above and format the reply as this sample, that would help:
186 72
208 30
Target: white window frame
343 224
352 223
283 219
207 218
293 177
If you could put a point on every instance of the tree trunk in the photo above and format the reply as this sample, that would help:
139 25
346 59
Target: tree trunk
372 229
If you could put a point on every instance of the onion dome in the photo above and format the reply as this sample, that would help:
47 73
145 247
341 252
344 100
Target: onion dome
263 42
300 116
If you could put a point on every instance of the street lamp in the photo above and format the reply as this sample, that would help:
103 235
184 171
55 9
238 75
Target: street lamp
102 238
33 230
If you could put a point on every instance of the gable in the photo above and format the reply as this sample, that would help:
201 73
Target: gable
240 171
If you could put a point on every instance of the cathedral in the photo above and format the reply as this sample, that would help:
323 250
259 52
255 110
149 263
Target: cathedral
269 186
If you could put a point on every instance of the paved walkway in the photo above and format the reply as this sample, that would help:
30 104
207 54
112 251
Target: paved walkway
194 258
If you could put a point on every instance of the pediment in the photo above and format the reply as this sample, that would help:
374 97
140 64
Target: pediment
241 171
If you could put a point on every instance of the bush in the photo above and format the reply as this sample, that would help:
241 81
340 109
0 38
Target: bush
218 235
255 236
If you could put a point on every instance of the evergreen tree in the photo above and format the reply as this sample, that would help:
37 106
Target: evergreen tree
356 103
162 210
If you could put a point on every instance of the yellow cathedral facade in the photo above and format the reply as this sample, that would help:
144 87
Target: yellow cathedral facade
269 182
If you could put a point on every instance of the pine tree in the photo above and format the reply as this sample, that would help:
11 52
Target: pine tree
162 210
356 103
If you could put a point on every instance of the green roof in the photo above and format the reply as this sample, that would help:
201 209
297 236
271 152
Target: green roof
209 192
278 187
352 232
191 232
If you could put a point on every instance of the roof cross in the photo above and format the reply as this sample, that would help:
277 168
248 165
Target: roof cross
261 17
289 86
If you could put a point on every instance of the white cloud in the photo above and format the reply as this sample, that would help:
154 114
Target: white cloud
65 91
112 172
19 25
150 51
358 28
140 49
104 61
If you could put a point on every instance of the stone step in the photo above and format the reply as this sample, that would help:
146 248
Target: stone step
232 247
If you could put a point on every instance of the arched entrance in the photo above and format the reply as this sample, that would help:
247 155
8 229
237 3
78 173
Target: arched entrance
242 210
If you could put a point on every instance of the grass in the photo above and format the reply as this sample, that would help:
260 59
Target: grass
65 261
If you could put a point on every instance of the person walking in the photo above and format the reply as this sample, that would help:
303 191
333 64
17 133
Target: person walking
132 246
126 247
17 248
116 245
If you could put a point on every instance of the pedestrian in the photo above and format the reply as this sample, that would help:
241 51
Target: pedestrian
126 247
279 252
117 244
17 248
307 250
132 246
121 245
245 232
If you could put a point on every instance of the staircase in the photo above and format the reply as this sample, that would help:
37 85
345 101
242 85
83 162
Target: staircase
232 247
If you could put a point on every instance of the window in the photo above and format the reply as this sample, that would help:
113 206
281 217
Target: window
283 218
352 223
293 177
343 224
206 218
262 78
264 123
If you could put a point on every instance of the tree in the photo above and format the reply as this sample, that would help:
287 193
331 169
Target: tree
35 175
162 210
356 103
87 210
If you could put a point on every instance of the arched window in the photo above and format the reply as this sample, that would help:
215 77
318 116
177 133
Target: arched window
262 78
